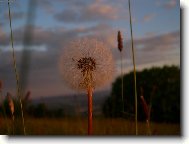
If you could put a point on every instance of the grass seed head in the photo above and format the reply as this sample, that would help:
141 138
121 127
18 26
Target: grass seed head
120 41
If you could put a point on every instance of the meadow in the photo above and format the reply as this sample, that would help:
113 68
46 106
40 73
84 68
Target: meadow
78 126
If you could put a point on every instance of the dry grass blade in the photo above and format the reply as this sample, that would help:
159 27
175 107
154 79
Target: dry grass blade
147 110
145 107
27 96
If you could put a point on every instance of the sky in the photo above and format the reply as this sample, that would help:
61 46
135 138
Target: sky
44 27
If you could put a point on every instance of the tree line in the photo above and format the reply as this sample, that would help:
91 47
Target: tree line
32 110
160 87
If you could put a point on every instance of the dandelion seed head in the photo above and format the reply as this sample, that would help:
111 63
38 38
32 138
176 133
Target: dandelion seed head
86 63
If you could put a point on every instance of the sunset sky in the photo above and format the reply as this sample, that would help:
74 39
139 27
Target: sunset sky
156 30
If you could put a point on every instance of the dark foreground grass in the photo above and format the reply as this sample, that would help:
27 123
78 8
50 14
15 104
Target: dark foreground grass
78 126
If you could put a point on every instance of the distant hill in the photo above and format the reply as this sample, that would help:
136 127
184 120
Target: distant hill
75 103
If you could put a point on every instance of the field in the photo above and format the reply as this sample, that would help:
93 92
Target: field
78 126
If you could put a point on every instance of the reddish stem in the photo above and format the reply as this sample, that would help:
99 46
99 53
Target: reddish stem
90 112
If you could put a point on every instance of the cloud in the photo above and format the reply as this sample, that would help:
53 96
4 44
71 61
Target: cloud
55 38
1 24
150 34
38 36
158 43
46 6
14 15
90 12
165 47
3 36
104 10
150 50
2 33
20 48
148 17
170 4
67 15
157 50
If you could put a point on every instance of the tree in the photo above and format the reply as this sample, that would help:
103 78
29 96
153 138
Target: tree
161 89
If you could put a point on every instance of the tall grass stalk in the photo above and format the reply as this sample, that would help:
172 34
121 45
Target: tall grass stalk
133 54
15 69
122 82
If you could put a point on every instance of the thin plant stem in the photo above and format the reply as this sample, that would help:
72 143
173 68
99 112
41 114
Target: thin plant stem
148 121
122 82
90 112
133 54
15 69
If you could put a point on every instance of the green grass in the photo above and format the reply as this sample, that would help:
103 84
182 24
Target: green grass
78 126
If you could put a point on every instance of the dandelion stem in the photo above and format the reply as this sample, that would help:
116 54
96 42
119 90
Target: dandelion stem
90 113
133 54
15 68
12 123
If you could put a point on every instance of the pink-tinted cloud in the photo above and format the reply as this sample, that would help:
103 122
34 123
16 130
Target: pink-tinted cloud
148 17
55 38
46 5
3 36
2 33
104 10
97 10
171 4
151 50
15 15
168 4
